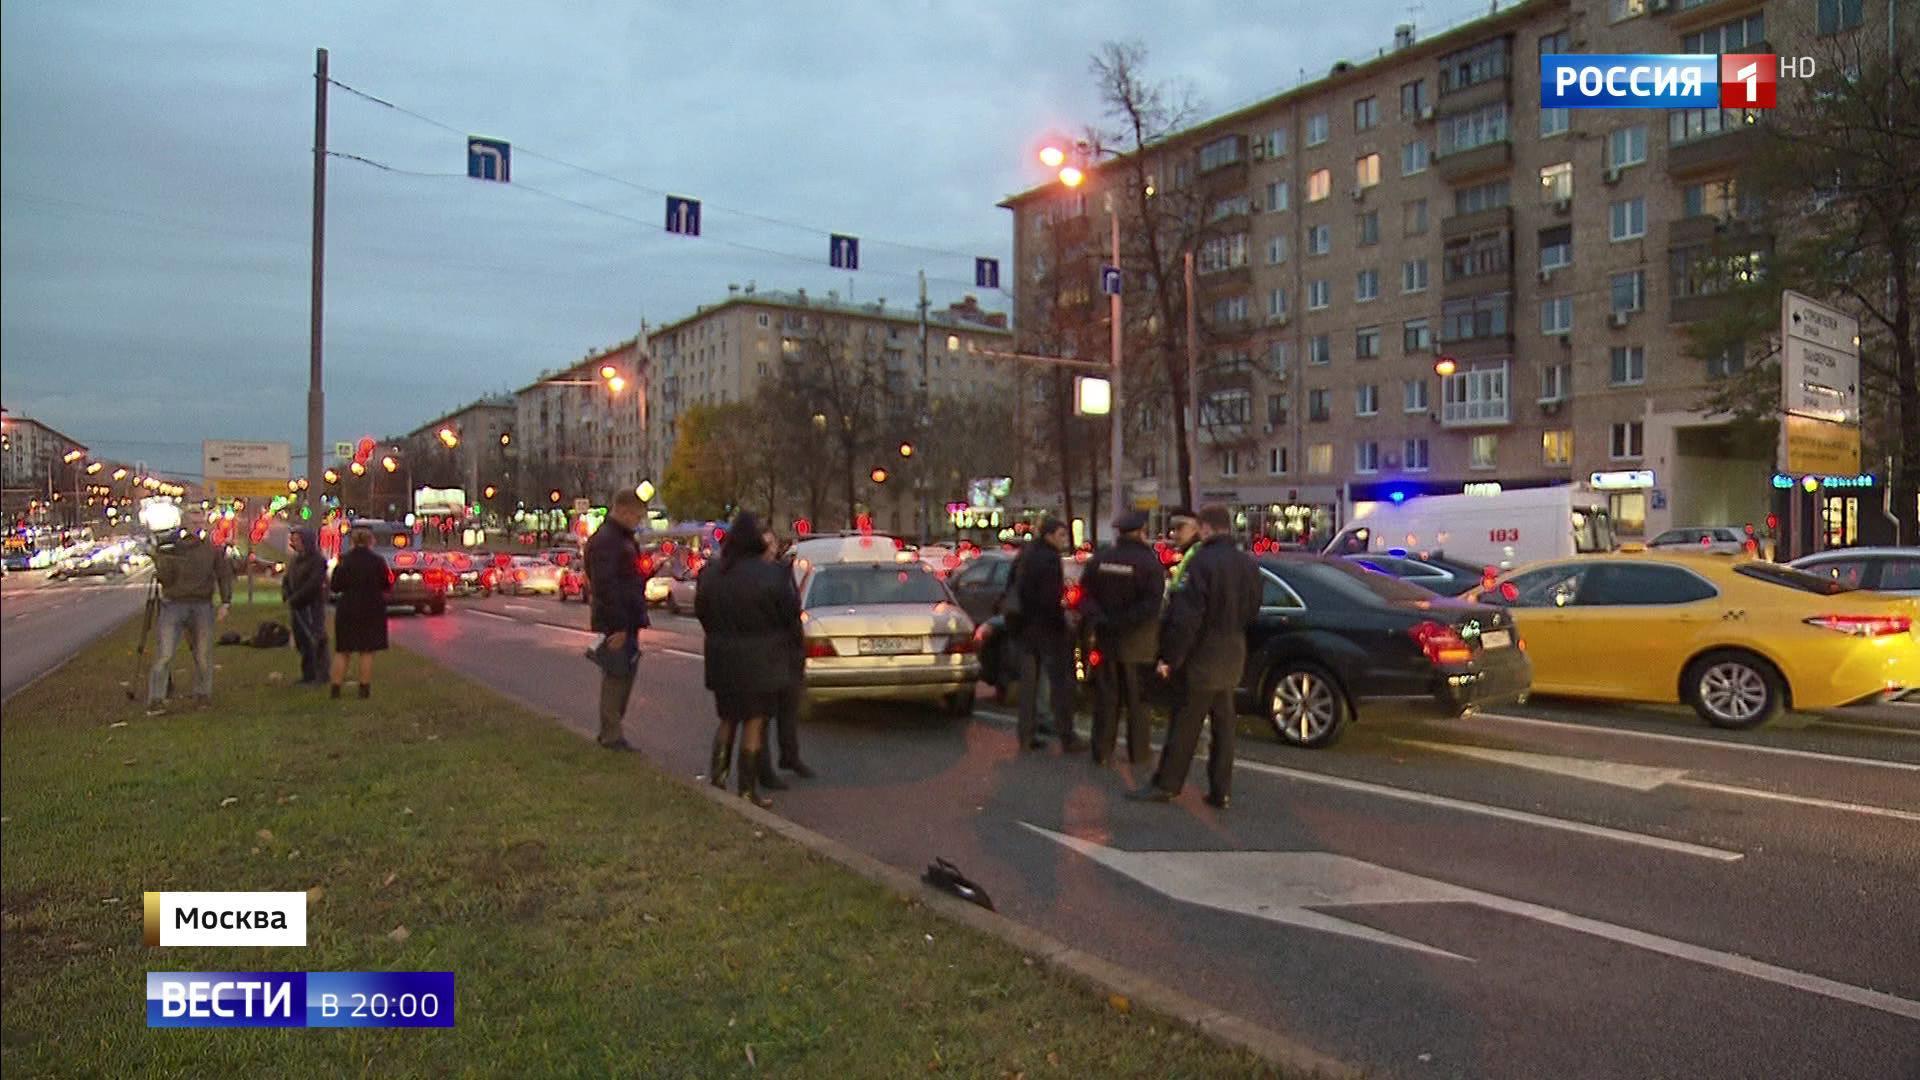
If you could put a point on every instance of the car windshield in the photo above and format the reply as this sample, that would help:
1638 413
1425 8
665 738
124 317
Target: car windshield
1774 574
874 583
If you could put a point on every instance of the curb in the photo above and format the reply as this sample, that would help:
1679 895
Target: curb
1081 966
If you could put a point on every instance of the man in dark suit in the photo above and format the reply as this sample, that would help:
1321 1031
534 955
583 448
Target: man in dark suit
1125 585
1204 647
1039 588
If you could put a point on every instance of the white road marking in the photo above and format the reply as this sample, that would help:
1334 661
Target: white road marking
1642 777
521 607
1810 755
1877 729
681 652
1279 886
491 615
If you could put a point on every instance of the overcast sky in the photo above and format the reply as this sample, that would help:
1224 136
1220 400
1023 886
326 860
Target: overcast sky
157 176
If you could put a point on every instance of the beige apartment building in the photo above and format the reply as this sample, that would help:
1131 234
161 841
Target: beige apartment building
581 433
1421 205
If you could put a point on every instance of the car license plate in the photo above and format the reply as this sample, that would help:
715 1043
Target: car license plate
1495 639
889 646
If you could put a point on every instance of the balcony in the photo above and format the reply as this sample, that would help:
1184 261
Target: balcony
1480 161
1690 15
1217 379
1476 398
1492 281
1712 153
1498 88
1228 279
1478 348
1500 217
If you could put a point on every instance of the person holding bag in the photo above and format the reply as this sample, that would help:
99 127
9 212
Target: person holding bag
750 613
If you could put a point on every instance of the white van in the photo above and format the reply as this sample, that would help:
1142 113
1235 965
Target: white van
1501 530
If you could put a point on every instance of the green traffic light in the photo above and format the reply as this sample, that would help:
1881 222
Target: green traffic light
306 513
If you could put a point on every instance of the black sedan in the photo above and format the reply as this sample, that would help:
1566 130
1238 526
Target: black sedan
1435 573
1331 633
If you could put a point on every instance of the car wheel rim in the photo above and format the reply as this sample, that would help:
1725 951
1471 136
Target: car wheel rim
1733 691
1303 706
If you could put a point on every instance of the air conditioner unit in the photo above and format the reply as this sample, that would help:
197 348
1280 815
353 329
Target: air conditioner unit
1620 318
1259 152
1546 276
1359 193
1563 206
1659 5
1612 175
1426 113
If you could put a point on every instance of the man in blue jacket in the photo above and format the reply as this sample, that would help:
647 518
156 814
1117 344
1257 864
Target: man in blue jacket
619 611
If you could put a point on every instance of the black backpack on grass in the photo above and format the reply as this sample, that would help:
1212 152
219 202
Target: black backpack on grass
271 635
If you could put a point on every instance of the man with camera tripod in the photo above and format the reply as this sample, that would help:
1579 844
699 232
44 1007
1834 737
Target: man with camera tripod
189 569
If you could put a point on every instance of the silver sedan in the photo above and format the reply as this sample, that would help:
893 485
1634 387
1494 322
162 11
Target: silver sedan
886 630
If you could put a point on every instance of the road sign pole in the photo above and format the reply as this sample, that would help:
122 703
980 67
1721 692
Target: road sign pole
316 395
1116 413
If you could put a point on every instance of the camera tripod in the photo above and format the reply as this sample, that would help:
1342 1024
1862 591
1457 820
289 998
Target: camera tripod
137 684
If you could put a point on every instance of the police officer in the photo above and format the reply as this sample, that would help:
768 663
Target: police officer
1125 585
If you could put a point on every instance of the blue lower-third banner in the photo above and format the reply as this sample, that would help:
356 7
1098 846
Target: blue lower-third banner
300 999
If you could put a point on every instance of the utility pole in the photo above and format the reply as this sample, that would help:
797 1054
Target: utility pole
316 395
1116 415
1192 404
924 422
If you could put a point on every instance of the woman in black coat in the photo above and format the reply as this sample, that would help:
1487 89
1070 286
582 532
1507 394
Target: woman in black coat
362 582
751 617
305 590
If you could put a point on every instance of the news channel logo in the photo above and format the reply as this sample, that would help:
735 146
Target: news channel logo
331 999
1666 80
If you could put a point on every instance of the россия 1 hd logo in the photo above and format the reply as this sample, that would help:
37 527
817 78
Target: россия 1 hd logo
1666 81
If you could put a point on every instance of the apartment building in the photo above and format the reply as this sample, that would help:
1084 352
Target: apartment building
724 351
482 431
1410 278
582 432
32 456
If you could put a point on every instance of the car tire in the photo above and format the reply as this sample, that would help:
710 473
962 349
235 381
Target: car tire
1734 689
439 608
1304 704
958 705
419 609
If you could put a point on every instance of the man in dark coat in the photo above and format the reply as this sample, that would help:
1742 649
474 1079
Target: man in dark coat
1204 642
305 590
786 717
1039 586
1125 585
619 611
191 570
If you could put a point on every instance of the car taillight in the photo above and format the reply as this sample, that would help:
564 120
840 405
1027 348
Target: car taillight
1094 658
1441 643
519 575
1863 625
817 647
962 643
1071 596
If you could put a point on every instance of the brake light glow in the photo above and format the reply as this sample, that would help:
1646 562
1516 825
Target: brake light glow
1094 658
819 647
1071 596
1441 643
1869 626
405 558
1510 592
962 643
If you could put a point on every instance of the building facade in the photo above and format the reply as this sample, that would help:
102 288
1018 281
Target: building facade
581 432
32 456
482 436
1410 277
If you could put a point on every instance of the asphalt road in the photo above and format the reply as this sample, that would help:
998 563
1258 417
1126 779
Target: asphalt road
1567 891
43 623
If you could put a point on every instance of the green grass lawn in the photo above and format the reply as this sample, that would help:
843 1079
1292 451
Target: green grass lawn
600 918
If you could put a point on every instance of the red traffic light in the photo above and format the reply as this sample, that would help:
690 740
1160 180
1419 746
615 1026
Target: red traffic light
363 452
1773 522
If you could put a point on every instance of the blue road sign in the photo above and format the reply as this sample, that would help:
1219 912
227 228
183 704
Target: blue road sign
683 215
1110 280
489 159
986 273
843 252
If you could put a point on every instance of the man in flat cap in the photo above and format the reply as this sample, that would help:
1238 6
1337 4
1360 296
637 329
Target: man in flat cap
1125 585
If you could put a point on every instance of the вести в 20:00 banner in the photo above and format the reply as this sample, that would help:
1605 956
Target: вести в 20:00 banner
300 999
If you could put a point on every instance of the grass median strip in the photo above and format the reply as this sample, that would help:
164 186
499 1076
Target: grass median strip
599 917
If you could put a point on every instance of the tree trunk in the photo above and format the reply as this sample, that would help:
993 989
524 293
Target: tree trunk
1062 435
1905 481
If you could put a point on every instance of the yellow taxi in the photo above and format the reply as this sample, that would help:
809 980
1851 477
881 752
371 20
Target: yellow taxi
1740 639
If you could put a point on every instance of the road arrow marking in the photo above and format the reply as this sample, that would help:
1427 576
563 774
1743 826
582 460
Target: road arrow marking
1643 778
1282 886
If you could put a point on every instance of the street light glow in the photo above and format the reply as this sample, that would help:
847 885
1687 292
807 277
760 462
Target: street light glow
879 475
72 456
1052 157
449 437
906 449
554 495
505 438
1071 176
94 468
616 384
358 469
388 463
119 474
608 371
330 476
645 490
1445 366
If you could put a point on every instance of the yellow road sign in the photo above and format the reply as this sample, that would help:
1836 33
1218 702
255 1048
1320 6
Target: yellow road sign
247 489
1817 446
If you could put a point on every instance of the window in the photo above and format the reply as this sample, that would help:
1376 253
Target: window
1277 464
1230 463
1470 130
1415 337
1641 584
1276 303
1556 382
1319 185
1220 153
1320 459
1556 182
1688 125
1413 396
1366 343
1628 291
763 320
1366 456
1366 400
1555 122
1273 142
1414 220
1475 396
1318 409
1552 586
1413 99
1556 247
1276 410
1556 446
1317 129
1627 219
1222 253
1833 16
1366 170
1366 286
1488 196
1629 365
1417 456
1714 198
1319 239
1474 254
1413 276
1482 450
1558 42
1414 157
1627 146
1728 37
1320 349
1471 67
1366 113
1728 361
1232 207
1276 250
1276 196
1319 295
1618 10
1230 309
1479 317
1368 227
1699 271
1279 357
1628 439
1556 315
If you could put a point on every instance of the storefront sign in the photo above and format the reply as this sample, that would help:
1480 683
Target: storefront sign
1860 480
1488 487
1622 480
1815 446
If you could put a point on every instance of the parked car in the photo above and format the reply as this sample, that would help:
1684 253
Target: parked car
1739 640
1717 539
659 586
417 583
1882 569
1331 634
887 630
1435 573
979 585
529 575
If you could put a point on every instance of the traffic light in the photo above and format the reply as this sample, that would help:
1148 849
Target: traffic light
554 495
1773 524
491 491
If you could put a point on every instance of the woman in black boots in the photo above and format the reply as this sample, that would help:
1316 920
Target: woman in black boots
362 583
751 616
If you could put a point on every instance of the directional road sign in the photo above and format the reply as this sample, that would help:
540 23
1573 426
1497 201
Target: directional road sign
683 215
343 450
1820 368
228 459
986 273
843 252
489 159
1109 280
